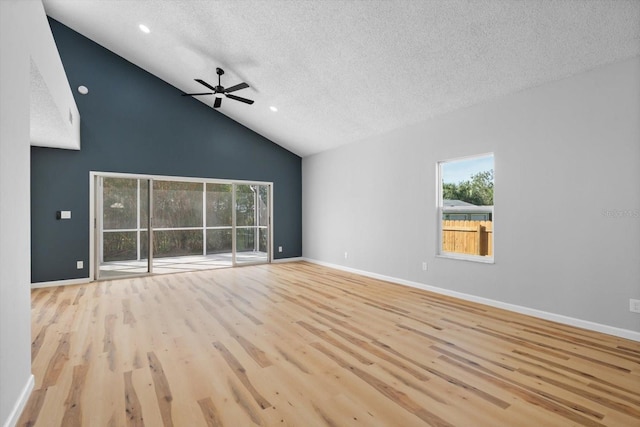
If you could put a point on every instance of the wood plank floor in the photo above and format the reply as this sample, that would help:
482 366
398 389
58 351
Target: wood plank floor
302 345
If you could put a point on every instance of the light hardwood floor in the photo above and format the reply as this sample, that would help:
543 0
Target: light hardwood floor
302 345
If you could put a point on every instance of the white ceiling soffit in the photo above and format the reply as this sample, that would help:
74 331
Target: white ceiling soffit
342 71
48 126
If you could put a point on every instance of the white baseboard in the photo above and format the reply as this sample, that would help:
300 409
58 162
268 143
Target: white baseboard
15 413
55 283
566 320
282 260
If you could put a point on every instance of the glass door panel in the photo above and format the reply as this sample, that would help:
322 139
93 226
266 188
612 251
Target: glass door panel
252 217
178 234
219 224
121 236
263 219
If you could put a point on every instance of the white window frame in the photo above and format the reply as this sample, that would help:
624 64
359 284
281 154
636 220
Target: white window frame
441 210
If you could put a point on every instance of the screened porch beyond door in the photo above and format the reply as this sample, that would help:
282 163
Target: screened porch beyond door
195 225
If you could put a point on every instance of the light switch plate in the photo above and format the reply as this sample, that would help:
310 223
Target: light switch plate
63 214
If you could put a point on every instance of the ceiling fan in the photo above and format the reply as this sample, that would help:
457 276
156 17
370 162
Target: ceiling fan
221 90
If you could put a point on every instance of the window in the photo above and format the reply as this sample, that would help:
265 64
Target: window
465 208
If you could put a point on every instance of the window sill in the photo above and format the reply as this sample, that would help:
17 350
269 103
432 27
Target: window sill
464 257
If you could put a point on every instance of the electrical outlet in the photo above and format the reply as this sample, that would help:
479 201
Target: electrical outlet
634 305
346 255
424 265
79 265
279 248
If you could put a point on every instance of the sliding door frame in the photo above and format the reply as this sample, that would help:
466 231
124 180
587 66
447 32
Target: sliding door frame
95 210
96 224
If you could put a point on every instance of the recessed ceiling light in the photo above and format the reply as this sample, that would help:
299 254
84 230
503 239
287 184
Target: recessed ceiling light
83 90
144 28
272 108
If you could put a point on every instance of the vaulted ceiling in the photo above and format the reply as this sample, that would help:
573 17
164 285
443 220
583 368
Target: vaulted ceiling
342 71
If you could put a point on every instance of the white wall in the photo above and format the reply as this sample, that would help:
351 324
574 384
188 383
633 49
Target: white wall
15 319
565 153
25 39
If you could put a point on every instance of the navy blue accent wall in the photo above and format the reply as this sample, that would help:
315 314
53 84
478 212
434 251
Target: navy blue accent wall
134 122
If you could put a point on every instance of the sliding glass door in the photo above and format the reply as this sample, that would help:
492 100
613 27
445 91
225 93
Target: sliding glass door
252 218
177 225
195 224
122 222
219 223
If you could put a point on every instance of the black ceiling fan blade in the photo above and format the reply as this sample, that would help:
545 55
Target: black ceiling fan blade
217 103
237 98
236 87
202 82
196 94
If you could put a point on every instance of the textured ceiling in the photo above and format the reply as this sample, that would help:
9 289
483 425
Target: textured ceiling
342 71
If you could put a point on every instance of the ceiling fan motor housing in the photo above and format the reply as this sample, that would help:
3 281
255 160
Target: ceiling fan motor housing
219 88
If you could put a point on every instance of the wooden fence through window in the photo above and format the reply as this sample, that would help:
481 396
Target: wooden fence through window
468 237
